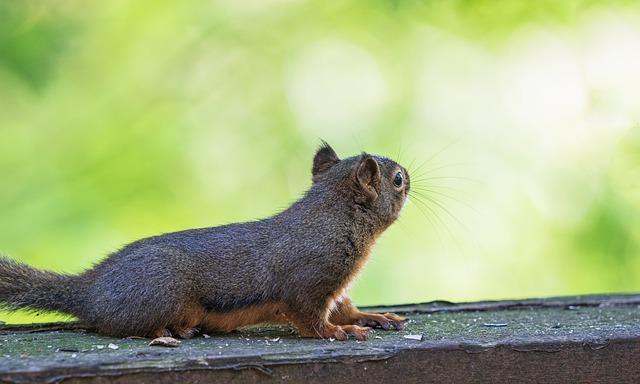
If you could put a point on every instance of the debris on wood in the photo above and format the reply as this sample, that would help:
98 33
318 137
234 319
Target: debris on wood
165 342
274 340
66 349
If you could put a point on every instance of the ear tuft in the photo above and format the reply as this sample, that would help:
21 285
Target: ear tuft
368 176
324 159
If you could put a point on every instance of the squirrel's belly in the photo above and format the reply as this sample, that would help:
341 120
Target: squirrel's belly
273 313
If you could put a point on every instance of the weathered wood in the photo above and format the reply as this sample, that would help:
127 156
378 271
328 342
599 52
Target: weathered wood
592 339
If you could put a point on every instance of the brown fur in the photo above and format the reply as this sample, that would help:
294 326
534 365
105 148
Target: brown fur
186 323
272 313
294 267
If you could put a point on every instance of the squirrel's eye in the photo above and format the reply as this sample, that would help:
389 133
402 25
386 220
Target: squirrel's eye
397 181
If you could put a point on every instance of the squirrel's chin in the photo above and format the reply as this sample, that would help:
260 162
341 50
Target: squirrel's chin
396 215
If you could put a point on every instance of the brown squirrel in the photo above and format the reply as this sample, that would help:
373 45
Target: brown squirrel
294 267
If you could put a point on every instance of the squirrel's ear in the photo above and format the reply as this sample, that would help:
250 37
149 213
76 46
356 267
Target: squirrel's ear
324 159
368 176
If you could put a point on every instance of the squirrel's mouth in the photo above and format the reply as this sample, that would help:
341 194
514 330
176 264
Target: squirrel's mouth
403 203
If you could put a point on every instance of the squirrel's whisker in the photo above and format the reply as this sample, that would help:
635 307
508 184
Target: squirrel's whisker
420 203
440 151
453 198
446 210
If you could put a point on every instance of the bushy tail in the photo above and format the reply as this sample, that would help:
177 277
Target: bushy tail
22 286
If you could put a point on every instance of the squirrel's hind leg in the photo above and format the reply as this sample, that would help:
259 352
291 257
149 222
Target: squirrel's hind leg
185 324
162 332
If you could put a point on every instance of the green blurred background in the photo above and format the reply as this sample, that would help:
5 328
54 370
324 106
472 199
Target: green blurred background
120 120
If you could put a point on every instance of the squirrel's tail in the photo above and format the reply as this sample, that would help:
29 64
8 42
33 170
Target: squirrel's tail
22 286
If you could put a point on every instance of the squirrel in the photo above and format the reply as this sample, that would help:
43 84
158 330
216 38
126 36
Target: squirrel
292 268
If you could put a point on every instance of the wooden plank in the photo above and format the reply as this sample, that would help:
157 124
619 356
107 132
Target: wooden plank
573 339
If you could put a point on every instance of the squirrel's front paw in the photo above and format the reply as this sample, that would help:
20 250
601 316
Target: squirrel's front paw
384 321
344 331
360 333
338 333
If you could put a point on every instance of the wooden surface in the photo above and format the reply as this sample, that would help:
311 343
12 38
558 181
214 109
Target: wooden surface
594 339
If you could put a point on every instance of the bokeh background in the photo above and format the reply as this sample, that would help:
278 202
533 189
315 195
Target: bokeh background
120 120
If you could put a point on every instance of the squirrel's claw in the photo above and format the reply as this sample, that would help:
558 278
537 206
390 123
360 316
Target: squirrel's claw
360 333
342 332
162 333
186 333
385 321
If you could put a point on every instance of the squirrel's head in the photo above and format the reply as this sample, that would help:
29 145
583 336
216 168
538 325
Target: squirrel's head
374 183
